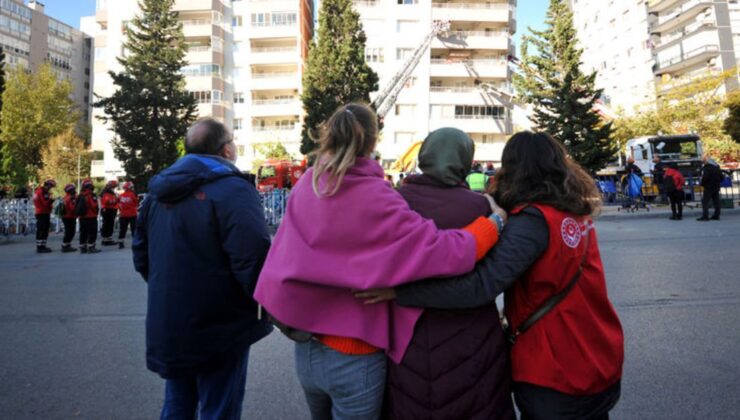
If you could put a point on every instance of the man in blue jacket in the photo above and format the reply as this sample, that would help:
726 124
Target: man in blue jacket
200 243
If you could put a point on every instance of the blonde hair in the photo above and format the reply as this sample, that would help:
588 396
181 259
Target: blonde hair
351 132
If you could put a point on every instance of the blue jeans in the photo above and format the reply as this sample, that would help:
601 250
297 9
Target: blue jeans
340 386
215 394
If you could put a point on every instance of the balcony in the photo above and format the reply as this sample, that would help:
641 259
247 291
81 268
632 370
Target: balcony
274 55
200 28
477 68
276 107
276 133
270 30
657 6
474 124
481 40
198 5
473 12
687 60
680 16
276 80
451 95
200 83
204 55
101 14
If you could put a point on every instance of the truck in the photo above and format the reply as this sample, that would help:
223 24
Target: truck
279 174
684 152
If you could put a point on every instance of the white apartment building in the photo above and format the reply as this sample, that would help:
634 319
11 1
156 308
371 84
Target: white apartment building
244 68
30 38
616 44
692 38
443 90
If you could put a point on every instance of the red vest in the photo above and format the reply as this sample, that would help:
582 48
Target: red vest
42 201
91 205
128 204
109 200
69 207
578 347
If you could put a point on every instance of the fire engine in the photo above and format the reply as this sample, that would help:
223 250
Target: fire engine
279 174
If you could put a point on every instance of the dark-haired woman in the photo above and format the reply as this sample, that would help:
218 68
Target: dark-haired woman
568 363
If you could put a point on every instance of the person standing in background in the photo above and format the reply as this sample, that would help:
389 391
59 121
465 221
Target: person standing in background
477 180
128 205
109 204
69 217
711 180
673 187
87 210
42 203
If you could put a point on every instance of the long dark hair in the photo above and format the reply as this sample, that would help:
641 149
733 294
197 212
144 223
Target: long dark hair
536 169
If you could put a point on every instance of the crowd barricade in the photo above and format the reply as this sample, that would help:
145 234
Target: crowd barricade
273 204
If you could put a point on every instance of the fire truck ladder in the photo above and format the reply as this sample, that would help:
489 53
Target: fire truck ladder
387 97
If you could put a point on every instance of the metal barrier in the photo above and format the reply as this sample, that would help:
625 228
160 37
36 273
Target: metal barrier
273 203
610 187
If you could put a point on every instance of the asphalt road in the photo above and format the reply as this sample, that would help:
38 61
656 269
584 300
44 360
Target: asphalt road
72 330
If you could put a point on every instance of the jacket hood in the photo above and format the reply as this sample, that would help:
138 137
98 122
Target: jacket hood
188 174
447 155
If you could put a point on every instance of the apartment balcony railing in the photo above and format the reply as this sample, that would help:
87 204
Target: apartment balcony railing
366 3
273 49
689 58
274 101
506 87
274 75
679 16
497 6
281 128
273 24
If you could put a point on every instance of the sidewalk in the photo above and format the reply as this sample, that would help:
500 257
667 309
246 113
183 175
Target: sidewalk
690 211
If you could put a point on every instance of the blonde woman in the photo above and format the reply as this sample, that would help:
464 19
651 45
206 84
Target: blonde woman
346 229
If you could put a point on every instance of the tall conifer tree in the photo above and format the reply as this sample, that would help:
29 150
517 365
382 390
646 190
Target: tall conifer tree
151 111
562 95
336 72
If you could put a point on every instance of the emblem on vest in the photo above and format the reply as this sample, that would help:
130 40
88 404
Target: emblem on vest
570 230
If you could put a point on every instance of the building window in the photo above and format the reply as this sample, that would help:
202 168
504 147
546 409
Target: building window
238 97
479 112
374 55
405 110
207 96
403 53
201 70
238 124
408 1
99 53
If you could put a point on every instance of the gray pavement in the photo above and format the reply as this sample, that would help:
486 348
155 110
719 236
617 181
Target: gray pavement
72 329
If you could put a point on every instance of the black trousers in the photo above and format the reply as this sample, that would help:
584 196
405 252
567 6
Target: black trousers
538 403
88 231
676 198
109 221
69 230
43 223
124 223
713 197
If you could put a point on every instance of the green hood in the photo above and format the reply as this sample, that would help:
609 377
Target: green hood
447 155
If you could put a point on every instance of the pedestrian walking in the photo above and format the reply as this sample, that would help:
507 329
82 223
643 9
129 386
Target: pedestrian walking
345 229
477 180
567 344
200 242
109 205
69 217
42 204
673 186
87 210
128 205
467 345
711 181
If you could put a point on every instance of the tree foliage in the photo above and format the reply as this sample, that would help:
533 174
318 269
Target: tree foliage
60 157
563 97
36 107
273 151
732 123
695 107
336 72
151 111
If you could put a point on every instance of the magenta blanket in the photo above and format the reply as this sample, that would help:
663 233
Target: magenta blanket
364 237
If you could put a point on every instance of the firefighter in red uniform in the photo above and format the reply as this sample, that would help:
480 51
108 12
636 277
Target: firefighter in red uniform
87 209
69 217
42 203
109 204
128 205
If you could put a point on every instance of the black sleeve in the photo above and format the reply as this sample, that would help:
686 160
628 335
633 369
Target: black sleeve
524 239
80 206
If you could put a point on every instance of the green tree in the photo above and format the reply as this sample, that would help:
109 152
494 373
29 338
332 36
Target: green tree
65 156
36 107
563 96
273 151
151 111
732 123
2 89
336 72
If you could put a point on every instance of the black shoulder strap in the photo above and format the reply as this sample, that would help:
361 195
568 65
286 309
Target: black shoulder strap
554 300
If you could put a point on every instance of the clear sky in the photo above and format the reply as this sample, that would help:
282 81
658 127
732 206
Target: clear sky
529 13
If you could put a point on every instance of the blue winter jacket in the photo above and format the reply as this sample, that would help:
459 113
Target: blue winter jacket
200 242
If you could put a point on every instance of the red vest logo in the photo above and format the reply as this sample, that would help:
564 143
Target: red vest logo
571 232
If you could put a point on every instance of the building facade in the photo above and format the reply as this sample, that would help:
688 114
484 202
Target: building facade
30 38
616 44
244 68
446 87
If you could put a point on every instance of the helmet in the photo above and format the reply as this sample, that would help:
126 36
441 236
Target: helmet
112 184
87 184
50 183
69 188
128 186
